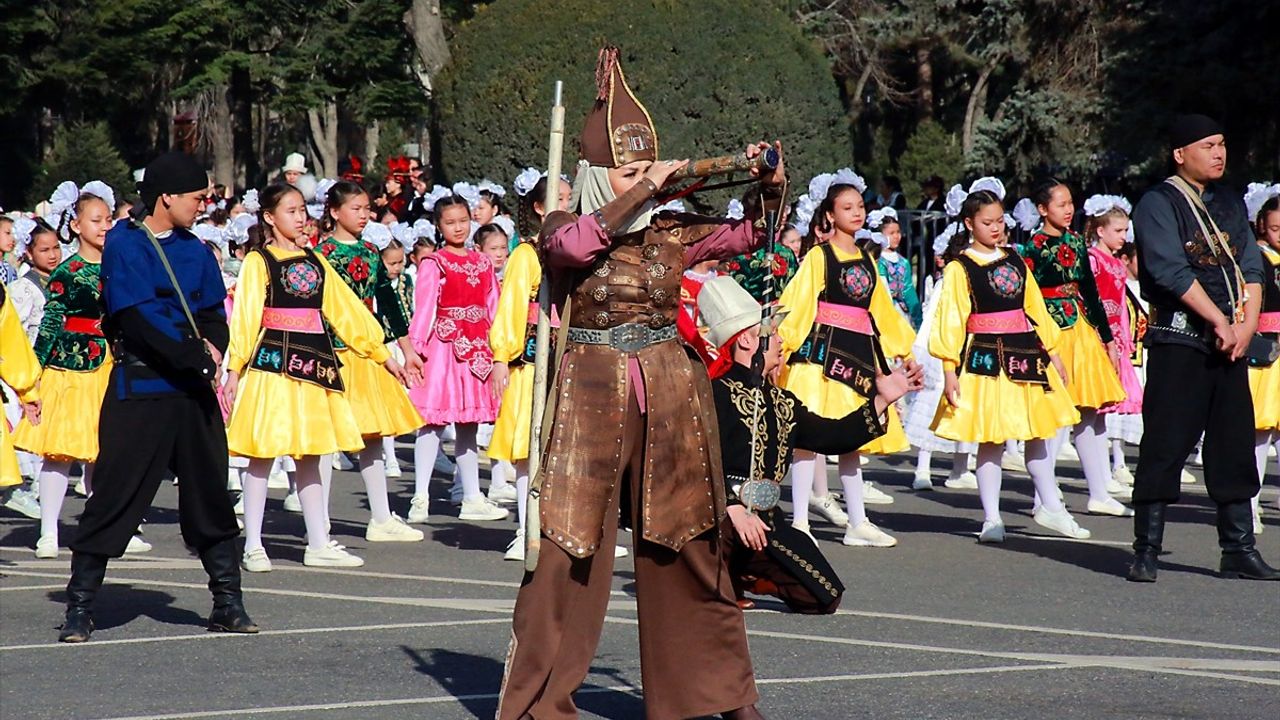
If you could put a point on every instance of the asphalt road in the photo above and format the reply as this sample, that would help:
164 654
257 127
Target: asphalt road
938 627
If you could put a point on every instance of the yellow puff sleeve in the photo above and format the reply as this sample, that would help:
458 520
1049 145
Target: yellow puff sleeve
1033 305
18 366
520 281
800 301
246 313
350 320
896 335
950 327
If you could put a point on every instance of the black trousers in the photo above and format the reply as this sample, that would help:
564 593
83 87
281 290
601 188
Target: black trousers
142 439
1189 392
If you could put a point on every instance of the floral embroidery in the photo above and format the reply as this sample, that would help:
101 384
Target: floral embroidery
75 266
301 279
1066 256
858 283
1006 280
471 269
358 269
55 288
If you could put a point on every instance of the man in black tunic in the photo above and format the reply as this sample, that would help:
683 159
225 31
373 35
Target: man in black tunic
1202 273
768 556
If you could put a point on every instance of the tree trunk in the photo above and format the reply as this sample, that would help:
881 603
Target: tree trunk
220 135
924 84
323 123
426 27
372 132
974 111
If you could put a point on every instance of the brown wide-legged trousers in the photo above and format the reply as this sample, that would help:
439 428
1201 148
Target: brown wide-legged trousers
694 659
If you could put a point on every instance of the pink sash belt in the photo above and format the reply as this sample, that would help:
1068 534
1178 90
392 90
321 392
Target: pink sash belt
845 317
533 315
1269 322
1005 322
301 320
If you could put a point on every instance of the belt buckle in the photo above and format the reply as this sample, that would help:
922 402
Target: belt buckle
629 338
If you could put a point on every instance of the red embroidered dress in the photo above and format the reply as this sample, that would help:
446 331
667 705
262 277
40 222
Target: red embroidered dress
455 299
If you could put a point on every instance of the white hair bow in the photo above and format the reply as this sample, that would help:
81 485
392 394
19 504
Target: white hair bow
1026 214
527 178
1257 195
735 210
492 187
377 234
250 201
1099 205
875 220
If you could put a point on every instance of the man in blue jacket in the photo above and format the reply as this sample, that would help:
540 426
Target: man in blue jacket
161 412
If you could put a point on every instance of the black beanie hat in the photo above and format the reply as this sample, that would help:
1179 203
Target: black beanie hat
173 173
1187 129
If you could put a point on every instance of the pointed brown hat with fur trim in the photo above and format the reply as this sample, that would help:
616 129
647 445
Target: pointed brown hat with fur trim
618 130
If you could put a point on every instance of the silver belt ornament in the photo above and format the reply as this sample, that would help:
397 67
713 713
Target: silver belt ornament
757 495
627 338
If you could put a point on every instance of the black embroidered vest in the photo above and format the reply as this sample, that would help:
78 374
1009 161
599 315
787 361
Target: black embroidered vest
296 284
1001 287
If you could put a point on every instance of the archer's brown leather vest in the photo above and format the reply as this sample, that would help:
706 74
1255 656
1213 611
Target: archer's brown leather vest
638 281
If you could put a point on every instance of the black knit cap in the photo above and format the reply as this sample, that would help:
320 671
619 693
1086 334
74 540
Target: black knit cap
1187 129
173 173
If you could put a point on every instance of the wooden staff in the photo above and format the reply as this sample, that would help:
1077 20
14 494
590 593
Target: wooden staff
542 349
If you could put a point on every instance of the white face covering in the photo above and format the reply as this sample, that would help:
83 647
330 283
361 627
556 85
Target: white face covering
592 191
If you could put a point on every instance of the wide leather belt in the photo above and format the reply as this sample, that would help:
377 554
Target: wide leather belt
628 338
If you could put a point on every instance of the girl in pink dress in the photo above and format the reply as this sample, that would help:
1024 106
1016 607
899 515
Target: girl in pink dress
1108 227
455 296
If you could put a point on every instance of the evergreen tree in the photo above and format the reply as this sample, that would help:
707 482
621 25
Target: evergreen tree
80 153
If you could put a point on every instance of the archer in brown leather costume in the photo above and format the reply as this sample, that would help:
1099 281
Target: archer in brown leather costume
634 426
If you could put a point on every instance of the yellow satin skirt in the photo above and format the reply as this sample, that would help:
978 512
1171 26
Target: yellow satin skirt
996 409
72 402
1091 378
831 399
1264 383
511 430
275 416
380 403
9 472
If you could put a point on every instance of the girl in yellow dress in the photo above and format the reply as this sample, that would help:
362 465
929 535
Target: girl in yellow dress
511 339
840 325
381 407
20 370
283 377
1059 260
1002 376
1263 202
75 355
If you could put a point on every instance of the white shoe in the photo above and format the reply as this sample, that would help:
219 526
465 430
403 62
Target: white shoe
419 509
1115 487
292 503
515 550
867 535
966 481
992 532
829 508
278 480
392 530
1187 477
1067 453
863 459
80 489
47 547
1123 475
341 462
137 545
804 528
1061 522
872 495
1110 506
239 506
1256 503
234 483
331 555
255 561
444 464
1272 451
1013 462
922 481
23 502
393 470
503 493
482 509
620 552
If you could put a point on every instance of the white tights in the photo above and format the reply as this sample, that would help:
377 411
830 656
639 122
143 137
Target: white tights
427 445
522 490
1039 466
850 468
55 476
311 493
373 471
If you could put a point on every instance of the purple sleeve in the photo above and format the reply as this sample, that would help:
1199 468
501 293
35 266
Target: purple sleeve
576 244
733 238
